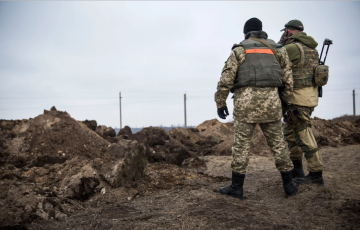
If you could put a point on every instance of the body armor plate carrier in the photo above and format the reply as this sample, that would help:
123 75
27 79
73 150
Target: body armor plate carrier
261 68
303 72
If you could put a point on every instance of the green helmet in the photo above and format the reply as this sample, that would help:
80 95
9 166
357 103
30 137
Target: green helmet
294 25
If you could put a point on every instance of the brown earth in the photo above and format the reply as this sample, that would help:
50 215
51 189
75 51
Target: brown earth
331 133
326 132
53 162
177 198
59 173
351 118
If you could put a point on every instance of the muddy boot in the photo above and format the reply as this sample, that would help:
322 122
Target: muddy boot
314 177
236 187
289 187
298 169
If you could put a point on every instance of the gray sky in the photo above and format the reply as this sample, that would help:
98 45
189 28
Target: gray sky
78 56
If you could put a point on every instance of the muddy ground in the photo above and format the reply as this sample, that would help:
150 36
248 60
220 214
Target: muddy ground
185 200
59 173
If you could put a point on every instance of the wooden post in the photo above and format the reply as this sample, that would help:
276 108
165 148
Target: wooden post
120 110
354 102
185 108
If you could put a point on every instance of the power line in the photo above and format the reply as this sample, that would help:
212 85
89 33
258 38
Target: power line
135 91
189 110
48 98
125 98
335 105
338 89
344 84
76 106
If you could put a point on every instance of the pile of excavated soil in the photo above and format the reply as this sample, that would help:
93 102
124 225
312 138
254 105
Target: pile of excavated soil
215 138
326 132
52 163
223 133
56 171
173 146
331 133
347 118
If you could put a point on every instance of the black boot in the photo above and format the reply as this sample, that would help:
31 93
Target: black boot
236 187
289 187
298 169
314 177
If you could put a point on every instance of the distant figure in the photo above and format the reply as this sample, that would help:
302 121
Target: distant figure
297 130
253 72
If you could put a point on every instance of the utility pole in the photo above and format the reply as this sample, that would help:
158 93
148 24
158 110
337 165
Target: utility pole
120 110
354 102
185 108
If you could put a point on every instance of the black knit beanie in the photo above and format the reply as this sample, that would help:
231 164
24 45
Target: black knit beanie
253 24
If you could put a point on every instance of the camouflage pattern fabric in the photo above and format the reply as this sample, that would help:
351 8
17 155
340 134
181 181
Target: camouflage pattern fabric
303 73
253 104
321 75
243 133
300 138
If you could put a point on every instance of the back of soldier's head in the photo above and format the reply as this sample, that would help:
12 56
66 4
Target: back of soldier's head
253 24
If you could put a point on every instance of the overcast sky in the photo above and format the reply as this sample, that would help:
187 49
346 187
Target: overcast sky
78 56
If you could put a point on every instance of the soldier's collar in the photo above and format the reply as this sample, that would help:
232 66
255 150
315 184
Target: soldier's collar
257 34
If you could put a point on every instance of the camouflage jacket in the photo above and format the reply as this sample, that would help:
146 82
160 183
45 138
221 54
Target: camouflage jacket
254 104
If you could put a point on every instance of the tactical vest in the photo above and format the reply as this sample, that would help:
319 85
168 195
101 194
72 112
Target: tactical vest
303 72
260 68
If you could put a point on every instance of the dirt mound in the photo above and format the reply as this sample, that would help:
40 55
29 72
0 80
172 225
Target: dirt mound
108 133
104 131
196 143
54 167
160 146
176 145
171 197
326 132
125 131
90 124
330 133
209 138
357 122
52 162
223 135
346 118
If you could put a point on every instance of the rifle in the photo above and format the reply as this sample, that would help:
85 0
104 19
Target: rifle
327 43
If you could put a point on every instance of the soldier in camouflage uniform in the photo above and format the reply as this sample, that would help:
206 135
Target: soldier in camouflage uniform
297 130
253 72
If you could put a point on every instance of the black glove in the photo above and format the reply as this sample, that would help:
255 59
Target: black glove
223 112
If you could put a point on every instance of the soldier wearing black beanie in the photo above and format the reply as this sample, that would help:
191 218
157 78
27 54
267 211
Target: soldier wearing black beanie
253 72
253 24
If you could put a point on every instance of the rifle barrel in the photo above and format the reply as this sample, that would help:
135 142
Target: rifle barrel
321 53
326 53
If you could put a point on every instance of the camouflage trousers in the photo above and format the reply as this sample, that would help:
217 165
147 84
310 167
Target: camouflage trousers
300 138
243 133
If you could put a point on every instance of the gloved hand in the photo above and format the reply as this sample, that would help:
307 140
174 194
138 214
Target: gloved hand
284 37
223 112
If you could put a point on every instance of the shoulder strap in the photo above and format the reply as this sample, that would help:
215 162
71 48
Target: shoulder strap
302 59
265 43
